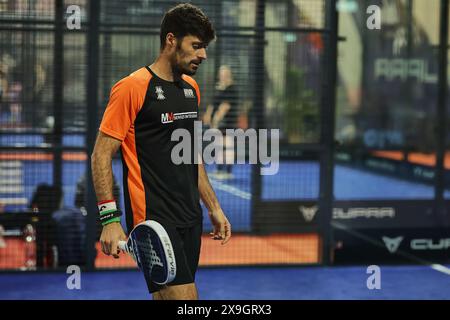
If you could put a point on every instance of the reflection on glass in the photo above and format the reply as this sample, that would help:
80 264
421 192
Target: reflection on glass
387 96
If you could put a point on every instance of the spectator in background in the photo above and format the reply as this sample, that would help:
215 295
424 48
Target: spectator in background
37 113
20 106
3 90
2 241
3 81
65 235
62 237
11 91
15 105
2 231
222 115
70 233
46 199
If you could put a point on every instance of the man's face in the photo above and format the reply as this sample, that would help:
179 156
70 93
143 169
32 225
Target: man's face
189 53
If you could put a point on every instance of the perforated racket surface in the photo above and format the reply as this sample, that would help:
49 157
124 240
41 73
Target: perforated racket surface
151 248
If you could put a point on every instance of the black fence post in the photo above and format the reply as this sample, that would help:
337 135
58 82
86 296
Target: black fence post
441 114
327 132
58 93
92 123
258 107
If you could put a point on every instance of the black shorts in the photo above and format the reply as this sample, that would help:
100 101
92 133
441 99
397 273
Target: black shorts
186 243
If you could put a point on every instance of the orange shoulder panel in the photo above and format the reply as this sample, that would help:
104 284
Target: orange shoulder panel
125 102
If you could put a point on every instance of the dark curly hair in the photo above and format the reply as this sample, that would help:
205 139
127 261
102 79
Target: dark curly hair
186 19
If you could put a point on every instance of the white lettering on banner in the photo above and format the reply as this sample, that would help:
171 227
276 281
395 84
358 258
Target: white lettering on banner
430 244
404 69
353 213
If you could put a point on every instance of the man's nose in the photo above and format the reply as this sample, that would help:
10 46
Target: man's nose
202 54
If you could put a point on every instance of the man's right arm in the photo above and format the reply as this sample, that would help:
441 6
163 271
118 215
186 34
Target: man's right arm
101 164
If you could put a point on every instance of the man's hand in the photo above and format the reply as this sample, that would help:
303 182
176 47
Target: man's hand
111 235
221 226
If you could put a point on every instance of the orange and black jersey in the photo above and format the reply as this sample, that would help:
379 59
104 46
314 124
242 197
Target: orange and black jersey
142 112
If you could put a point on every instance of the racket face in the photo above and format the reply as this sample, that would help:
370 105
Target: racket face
148 246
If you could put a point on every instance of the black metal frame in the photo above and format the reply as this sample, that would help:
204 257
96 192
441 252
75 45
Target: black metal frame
58 85
441 115
324 148
92 87
327 133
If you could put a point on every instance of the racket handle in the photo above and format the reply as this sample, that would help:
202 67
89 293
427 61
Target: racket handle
123 245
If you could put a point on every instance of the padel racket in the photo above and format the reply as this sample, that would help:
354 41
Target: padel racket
151 248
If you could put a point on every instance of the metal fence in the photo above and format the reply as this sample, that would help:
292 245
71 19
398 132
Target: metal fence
59 61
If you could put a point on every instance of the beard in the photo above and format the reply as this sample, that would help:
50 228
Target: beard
185 69
179 66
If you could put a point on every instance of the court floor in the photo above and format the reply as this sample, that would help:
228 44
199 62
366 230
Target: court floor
288 283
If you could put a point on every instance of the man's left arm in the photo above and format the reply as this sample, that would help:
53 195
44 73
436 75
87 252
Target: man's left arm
221 225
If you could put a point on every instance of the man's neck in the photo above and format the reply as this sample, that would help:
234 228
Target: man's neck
163 69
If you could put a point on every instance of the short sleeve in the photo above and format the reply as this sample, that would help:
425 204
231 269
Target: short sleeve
194 84
124 104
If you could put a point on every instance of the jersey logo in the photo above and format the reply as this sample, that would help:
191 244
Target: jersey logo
160 93
189 93
169 117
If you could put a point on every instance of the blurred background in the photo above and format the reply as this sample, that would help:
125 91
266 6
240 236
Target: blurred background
364 134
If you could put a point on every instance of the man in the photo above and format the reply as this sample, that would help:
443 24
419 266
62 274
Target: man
141 115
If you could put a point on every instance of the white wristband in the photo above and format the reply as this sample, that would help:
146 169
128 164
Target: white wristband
105 207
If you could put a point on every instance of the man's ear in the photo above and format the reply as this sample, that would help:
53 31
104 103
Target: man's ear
171 40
